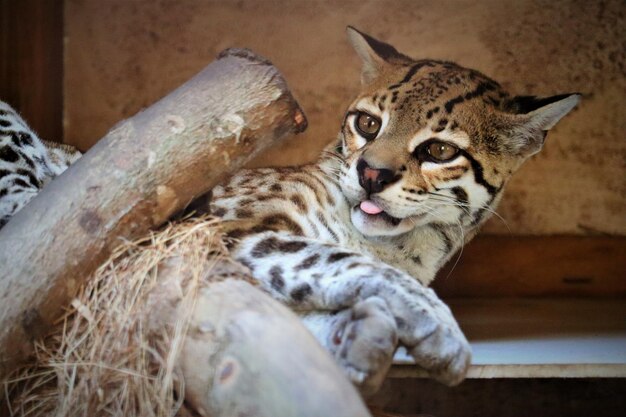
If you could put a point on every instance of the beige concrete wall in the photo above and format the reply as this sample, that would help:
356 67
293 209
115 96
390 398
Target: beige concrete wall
121 55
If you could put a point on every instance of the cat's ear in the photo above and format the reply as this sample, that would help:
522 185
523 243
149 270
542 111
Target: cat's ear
535 116
376 55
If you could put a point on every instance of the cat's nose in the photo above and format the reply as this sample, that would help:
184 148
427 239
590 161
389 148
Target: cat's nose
374 180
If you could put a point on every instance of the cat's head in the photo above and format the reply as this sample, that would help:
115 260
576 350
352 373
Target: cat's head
432 142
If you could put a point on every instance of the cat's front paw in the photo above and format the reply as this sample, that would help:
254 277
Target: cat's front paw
445 354
365 340
434 339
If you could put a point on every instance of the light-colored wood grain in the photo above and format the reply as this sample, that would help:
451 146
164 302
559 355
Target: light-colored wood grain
245 351
523 371
539 338
146 169
121 55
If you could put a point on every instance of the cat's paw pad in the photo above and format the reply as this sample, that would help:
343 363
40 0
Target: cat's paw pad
365 341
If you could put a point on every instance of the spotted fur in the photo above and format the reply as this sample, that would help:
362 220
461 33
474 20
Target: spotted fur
27 163
360 280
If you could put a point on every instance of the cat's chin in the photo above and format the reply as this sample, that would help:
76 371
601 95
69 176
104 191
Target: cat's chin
381 224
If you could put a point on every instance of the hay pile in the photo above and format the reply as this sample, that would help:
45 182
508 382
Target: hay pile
105 346
162 321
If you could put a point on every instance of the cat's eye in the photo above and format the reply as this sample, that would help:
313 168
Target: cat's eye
367 125
441 151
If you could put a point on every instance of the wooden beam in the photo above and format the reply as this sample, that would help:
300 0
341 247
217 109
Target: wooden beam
495 266
553 397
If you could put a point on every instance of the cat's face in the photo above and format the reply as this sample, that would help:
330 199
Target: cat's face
432 142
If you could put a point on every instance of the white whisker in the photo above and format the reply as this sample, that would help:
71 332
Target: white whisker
451 201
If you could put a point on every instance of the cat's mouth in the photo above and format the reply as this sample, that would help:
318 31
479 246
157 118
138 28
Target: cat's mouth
371 219
373 211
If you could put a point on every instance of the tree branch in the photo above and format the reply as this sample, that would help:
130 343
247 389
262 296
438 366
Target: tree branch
144 170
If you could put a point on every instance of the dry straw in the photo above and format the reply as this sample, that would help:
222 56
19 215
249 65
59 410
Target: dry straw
107 356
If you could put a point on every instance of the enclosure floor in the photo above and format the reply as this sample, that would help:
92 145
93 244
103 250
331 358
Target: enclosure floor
510 397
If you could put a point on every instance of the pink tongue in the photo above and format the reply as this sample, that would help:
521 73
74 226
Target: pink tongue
370 208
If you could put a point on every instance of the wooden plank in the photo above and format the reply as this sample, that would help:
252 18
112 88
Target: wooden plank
31 63
497 266
538 338
552 397
523 371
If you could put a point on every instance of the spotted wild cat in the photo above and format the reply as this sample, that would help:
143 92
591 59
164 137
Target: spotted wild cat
352 242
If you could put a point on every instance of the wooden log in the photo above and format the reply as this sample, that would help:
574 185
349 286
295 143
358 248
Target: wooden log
246 354
144 170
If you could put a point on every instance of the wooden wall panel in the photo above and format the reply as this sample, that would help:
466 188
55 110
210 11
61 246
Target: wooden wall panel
123 55
499 266
31 62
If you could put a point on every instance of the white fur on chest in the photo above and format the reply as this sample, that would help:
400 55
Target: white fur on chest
420 253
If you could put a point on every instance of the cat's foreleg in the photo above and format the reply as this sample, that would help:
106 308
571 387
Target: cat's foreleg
311 276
